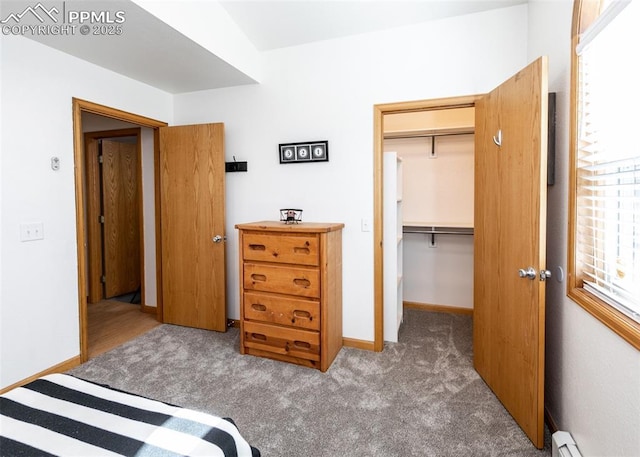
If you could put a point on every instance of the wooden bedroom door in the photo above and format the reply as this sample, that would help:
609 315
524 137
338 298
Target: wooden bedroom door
120 202
192 225
510 239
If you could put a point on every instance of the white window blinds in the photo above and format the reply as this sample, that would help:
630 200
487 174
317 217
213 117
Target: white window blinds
608 166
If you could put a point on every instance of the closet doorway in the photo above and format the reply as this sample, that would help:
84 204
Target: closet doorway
428 206
382 115
510 271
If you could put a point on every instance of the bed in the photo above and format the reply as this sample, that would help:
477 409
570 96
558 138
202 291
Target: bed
60 414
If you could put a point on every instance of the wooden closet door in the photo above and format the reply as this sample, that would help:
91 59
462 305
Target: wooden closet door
120 201
510 235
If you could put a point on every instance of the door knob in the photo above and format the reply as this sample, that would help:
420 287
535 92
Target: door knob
544 275
217 239
529 273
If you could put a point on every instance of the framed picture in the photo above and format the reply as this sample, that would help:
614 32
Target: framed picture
303 152
319 151
287 153
309 151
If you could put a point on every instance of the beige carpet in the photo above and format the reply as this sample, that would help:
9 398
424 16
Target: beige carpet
419 397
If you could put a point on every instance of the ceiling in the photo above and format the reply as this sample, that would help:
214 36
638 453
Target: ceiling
155 53
276 24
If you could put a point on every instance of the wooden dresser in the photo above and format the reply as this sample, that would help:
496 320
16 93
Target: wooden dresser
291 291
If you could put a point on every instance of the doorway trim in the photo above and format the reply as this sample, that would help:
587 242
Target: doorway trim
78 107
378 149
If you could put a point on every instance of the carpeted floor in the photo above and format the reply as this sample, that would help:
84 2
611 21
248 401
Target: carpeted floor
419 397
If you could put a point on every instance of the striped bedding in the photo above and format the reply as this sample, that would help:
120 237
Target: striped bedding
60 414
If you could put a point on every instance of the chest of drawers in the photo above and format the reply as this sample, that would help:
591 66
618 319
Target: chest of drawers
291 291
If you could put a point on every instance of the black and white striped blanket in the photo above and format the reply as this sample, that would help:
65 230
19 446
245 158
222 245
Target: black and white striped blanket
63 415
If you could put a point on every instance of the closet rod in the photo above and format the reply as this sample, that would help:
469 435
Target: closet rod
401 136
433 230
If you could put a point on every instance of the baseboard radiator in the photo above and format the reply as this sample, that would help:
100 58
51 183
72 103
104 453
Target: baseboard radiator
562 445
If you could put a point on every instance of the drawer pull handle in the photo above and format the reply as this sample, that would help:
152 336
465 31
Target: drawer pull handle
305 251
257 247
259 307
302 282
259 336
258 277
302 344
300 314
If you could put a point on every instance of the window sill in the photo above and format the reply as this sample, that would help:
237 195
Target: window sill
623 325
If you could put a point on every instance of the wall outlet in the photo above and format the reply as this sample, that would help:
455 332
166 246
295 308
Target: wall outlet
32 232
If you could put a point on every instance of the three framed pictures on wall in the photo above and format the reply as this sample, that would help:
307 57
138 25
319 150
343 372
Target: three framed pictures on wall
311 151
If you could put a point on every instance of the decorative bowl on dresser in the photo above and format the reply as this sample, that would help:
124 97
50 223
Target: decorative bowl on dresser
291 291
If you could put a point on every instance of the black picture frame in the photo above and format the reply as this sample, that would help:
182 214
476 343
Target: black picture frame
304 152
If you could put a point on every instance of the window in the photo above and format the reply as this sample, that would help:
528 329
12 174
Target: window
604 237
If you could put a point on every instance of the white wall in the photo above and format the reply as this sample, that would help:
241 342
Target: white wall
440 275
592 375
39 296
327 90
210 25
437 190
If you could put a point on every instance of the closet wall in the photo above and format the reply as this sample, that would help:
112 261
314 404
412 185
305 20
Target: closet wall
436 149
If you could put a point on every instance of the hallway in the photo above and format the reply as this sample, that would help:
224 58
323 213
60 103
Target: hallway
112 323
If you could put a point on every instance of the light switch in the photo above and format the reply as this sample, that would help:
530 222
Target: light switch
365 225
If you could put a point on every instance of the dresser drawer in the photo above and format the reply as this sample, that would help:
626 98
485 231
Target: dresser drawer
297 249
282 310
304 344
291 280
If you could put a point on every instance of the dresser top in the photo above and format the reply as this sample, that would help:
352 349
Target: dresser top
301 227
